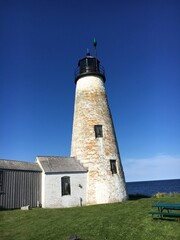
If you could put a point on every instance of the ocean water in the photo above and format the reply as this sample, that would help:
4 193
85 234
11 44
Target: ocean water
152 187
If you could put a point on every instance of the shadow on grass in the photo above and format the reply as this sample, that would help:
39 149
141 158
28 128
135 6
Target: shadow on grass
165 219
137 196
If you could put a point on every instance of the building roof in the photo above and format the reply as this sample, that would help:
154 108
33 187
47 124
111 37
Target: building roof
60 164
19 165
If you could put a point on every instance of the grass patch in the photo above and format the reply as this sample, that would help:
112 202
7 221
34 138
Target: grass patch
127 220
171 194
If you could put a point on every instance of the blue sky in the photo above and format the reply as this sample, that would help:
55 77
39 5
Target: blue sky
138 44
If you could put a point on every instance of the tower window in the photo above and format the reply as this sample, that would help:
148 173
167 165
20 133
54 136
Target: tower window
65 186
113 166
98 131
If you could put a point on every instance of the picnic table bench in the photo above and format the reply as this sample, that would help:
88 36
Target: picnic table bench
166 206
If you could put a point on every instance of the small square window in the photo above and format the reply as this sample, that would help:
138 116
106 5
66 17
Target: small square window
113 166
98 131
65 186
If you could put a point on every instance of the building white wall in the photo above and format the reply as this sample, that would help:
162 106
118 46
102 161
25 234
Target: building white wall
52 194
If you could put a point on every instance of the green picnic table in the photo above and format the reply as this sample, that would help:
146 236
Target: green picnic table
166 210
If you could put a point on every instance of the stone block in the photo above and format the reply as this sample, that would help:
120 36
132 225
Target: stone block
73 238
25 207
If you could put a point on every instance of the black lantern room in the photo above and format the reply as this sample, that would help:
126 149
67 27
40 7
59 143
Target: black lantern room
89 66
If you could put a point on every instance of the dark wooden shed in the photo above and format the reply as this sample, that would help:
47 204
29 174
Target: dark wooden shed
20 184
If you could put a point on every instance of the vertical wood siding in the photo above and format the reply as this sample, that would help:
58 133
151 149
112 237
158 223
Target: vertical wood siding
20 188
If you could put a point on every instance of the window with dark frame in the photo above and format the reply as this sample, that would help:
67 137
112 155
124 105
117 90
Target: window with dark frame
98 131
65 186
113 166
1 181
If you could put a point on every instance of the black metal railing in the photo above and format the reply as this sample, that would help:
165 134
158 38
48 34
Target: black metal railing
89 70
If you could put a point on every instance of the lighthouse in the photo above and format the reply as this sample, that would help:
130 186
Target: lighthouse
94 141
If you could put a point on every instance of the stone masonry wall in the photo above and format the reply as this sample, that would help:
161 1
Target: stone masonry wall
91 108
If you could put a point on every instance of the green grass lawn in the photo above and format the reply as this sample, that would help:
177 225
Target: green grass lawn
121 221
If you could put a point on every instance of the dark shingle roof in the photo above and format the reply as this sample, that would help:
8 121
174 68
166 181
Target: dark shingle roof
18 165
60 164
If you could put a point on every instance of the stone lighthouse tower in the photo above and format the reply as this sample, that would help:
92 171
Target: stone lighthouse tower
94 141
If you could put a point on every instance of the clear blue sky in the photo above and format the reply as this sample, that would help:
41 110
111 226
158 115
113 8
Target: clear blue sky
139 46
